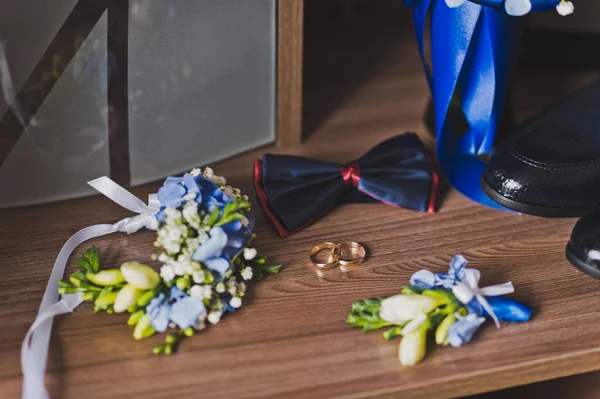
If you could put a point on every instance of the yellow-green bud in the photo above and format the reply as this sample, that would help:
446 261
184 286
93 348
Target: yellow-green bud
126 297
188 332
145 299
143 329
208 278
106 277
168 349
412 347
135 317
88 296
106 299
183 283
158 349
441 333
171 339
75 281
140 276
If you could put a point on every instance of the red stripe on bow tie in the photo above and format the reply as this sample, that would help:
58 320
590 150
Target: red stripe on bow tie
351 174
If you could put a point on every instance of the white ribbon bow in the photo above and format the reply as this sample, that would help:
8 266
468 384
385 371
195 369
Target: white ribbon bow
34 350
468 288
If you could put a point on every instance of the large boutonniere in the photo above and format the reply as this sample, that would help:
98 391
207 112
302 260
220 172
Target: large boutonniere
451 305
205 249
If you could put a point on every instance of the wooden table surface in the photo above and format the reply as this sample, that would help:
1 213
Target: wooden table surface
290 339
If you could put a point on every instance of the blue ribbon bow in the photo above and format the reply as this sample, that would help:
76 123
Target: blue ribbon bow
295 191
472 47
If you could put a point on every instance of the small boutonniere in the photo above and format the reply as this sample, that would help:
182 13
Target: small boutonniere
451 305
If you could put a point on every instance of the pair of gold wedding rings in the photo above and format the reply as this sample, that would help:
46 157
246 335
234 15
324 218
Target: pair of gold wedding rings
347 253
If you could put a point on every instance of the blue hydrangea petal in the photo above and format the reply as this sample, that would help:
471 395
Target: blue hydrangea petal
462 331
176 293
159 311
218 266
457 267
186 311
171 195
172 179
233 226
423 279
190 184
213 247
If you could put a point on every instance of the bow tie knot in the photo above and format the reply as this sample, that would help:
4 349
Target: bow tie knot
351 174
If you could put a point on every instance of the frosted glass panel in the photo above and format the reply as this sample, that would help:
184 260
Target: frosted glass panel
201 82
67 143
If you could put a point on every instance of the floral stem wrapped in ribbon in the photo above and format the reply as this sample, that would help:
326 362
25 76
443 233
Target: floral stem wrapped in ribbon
450 304
205 246
472 48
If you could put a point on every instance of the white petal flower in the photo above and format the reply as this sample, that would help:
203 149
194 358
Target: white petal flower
166 272
235 302
220 288
455 3
247 274
198 276
565 8
197 291
517 8
208 172
400 309
195 172
249 253
214 317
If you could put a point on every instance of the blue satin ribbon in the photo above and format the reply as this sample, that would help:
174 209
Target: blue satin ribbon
472 49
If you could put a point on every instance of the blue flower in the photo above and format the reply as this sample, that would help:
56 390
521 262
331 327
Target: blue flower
425 279
210 253
179 308
462 331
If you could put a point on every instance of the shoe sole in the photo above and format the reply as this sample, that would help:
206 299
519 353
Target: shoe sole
531 209
580 264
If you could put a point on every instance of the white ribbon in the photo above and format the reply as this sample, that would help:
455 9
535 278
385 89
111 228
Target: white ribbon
34 350
468 288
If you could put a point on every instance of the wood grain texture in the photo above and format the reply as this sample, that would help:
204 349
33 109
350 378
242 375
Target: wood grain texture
290 339
290 40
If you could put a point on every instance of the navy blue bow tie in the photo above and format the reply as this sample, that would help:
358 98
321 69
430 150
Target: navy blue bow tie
295 191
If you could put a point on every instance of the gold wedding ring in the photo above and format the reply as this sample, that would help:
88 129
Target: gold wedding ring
347 253
332 261
351 253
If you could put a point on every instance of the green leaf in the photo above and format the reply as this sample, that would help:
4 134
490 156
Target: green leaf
372 302
230 219
375 325
392 333
411 289
214 216
63 283
92 255
271 269
84 264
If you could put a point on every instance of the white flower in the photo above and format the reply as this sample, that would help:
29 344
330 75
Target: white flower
247 274
218 180
190 197
242 287
195 172
220 288
152 224
198 276
207 291
414 324
214 317
565 8
190 214
517 8
208 172
197 291
235 302
167 273
400 309
232 288
412 347
245 222
249 253
163 257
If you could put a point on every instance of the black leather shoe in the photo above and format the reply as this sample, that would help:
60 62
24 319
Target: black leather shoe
583 251
552 167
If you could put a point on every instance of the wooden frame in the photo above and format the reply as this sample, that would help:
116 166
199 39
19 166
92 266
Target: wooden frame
290 32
